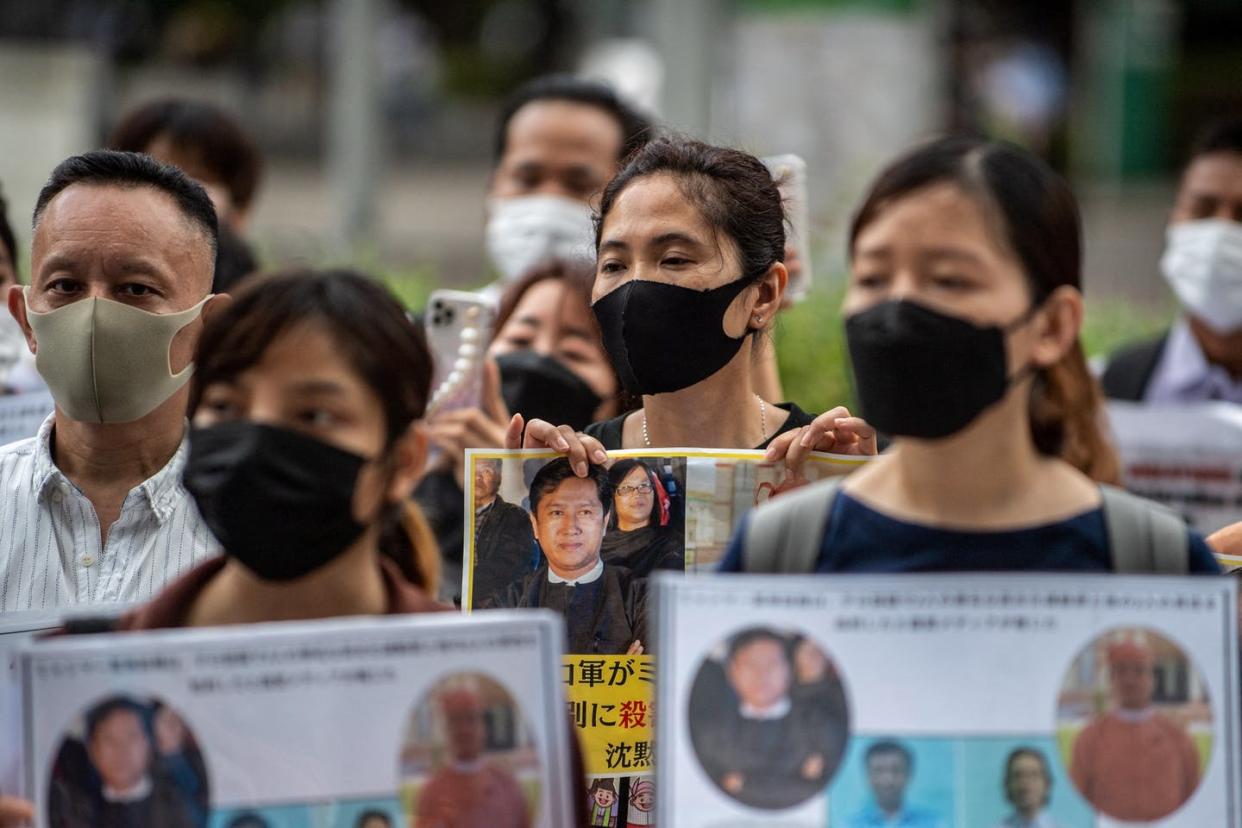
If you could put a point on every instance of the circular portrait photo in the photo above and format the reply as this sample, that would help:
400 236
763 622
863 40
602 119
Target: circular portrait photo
1134 723
128 760
468 760
768 717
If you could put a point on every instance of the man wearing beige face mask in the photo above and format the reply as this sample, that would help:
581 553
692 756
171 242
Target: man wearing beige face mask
92 508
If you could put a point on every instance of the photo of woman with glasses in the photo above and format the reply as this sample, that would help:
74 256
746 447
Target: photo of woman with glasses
646 529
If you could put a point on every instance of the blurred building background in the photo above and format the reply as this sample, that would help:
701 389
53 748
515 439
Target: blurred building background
376 116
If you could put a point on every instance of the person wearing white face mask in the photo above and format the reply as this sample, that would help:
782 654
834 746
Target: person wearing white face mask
93 509
1200 357
558 142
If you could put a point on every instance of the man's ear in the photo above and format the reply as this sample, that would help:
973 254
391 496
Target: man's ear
17 308
534 525
409 459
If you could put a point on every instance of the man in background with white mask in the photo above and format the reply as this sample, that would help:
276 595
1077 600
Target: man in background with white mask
558 142
92 509
1200 357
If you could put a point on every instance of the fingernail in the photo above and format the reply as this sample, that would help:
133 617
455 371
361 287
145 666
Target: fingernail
581 469
562 444
806 440
599 456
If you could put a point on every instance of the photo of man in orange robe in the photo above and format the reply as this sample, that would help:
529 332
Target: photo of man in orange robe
1133 762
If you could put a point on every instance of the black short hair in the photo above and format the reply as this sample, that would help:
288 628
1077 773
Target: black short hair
6 232
117 704
249 820
554 473
747 637
602 784
133 169
361 821
1223 135
199 129
636 129
885 747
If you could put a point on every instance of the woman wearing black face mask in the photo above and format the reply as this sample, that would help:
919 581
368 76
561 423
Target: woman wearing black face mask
690 241
306 438
962 320
549 363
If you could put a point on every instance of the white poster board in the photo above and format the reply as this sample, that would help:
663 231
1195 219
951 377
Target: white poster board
948 689
303 724
1188 457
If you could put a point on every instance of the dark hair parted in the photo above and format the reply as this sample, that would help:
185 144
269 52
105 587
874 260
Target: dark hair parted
889 747
1037 217
117 704
753 635
1020 752
207 135
733 191
133 169
555 472
635 128
372 332
619 471
1223 135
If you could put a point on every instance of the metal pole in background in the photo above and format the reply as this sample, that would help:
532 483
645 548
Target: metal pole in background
352 131
686 32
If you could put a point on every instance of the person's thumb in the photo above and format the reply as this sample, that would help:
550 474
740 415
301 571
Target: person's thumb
513 432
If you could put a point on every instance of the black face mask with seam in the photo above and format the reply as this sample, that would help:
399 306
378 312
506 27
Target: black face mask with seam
280 502
663 337
539 386
922 373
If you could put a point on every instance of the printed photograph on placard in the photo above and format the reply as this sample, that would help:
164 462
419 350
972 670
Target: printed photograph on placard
283 816
768 717
720 490
583 546
128 760
466 737
1134 725
896 780
1016 783
641 809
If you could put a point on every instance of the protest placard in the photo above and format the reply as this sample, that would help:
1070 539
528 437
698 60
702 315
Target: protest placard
22 414
539 536
1188 457
426 721
16 628
954 701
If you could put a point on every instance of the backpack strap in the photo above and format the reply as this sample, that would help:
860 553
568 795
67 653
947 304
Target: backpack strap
1130 370
1144 536
785 535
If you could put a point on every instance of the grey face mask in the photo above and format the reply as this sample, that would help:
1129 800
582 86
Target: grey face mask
107 362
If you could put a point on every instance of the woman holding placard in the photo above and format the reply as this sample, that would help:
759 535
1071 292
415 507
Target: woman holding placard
962 319
690 244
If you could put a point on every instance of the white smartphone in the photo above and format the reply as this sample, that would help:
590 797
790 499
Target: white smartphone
789 173
459 326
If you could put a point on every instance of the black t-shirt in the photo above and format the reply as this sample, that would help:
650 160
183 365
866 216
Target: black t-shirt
608 432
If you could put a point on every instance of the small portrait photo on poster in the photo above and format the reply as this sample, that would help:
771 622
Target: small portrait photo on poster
468 759
769 720
128 760
1135 725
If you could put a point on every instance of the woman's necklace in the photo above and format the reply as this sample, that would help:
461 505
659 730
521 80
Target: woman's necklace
763 423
